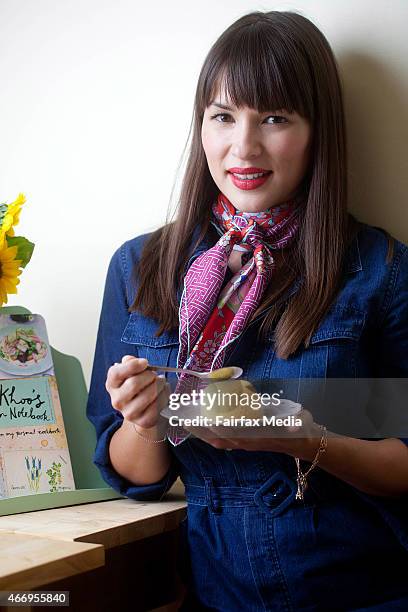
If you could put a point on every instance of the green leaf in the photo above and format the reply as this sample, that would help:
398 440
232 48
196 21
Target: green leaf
24 248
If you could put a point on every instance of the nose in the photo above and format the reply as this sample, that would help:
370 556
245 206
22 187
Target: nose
246 142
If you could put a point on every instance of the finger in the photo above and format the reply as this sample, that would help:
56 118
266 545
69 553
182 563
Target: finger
149 416
307 427
139 402
119 372
129 386
137 384
126 358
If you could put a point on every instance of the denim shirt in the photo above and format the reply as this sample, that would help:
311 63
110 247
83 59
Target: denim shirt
234 495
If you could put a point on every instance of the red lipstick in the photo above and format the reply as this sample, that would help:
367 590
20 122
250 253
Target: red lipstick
250 182
249 170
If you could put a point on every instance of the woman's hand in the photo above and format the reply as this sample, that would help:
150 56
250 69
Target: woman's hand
298 441
137 393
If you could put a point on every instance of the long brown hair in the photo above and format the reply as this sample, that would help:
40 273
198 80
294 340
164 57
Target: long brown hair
265 61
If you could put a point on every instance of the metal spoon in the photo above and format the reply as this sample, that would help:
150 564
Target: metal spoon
220 374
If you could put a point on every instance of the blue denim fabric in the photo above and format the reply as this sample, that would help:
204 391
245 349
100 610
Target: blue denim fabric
249 545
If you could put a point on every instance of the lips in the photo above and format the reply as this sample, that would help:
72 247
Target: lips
246 179
249 170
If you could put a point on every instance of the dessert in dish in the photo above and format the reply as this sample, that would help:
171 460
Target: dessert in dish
221 373
228 398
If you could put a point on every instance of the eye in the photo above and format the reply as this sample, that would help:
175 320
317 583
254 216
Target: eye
219 115
277 119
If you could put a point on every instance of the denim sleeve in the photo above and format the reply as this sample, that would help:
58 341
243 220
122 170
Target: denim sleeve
393 328
110 349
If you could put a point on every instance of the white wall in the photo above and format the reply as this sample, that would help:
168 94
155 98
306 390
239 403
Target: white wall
96 99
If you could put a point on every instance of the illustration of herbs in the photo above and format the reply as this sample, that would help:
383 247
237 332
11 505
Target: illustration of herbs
54 474
33 473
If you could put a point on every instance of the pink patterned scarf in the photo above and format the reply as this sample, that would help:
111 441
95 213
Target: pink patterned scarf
210 320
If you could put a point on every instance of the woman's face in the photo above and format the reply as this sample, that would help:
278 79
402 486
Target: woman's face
239 143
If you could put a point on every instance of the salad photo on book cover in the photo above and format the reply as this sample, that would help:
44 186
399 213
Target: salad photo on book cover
34 454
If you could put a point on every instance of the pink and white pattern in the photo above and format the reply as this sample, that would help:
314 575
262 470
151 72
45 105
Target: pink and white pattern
204 337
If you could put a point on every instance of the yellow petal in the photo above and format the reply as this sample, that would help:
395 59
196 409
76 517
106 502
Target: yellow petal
3 295
20 199
8 254
7 222
9 269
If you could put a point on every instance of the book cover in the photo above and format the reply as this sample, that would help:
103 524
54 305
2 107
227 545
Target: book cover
34 454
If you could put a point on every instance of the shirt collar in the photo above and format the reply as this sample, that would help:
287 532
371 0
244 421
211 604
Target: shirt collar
353 260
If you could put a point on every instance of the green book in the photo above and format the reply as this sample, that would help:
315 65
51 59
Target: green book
34 454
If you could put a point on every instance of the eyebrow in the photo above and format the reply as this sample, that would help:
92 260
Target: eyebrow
223 106
228 108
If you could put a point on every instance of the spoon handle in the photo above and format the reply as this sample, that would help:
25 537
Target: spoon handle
156 368
200 375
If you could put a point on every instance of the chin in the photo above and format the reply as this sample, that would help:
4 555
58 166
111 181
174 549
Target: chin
247 202
252 207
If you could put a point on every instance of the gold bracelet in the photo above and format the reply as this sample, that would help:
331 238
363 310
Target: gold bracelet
301 477
148 439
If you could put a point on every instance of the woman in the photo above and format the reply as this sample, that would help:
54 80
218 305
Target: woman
263 268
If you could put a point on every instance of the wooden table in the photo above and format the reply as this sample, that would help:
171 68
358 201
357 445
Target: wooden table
118 554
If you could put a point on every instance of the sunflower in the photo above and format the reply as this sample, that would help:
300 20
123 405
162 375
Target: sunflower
9 271
10 216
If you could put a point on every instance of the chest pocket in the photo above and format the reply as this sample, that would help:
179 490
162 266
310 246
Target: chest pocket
333 351
334 347
158 350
